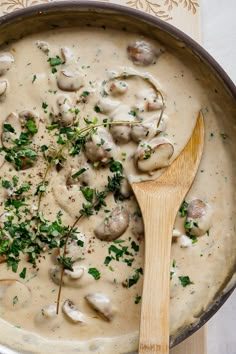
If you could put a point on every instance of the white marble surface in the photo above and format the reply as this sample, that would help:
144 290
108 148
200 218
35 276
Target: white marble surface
219 38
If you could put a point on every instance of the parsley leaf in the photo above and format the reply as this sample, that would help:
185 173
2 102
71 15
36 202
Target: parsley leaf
54 61
185 280
95 273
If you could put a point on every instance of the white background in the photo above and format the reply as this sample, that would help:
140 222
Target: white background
219 38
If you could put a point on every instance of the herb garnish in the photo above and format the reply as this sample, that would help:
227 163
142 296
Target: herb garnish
95 273
185 281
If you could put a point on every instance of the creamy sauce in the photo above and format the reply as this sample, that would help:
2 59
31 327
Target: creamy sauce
36 86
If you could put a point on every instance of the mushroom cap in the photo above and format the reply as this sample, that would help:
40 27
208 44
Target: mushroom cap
199 217
3 89
6 60
113 226
100 147
102 304
154 154
142 53
71 311
70 80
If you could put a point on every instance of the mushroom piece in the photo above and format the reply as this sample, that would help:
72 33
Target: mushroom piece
13 126
66 54
148 100
3 89
100 147
153 154
85 178
143 53
11 129
102 304
6 60
116 87
14 294
199 217
145 130
106 105
75 248
71 311
125 188
70 80
121 132
184 241
67 116
43 46
69 277
26 115
113 226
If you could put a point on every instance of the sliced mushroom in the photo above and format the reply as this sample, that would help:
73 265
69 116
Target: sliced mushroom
26 115
106 105
69 277
143 53
125 188
74 250
113 226
145 130
148 100
121 132
71 311
13 126
102 304
66 54
70 80
86 176
14 294
116 87
153 154
184 241
6 60
199 217
3 89
100 147
43 46
67 115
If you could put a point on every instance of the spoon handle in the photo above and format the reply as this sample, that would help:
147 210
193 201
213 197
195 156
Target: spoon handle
159 215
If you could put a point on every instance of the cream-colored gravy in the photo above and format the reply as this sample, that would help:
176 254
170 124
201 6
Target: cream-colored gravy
33 86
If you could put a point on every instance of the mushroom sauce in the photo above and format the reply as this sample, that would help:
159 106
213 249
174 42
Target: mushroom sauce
83 116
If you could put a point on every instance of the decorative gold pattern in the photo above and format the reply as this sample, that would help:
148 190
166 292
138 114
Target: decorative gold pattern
12 5
159 8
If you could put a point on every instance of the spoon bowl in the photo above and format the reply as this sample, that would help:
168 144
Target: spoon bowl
159 201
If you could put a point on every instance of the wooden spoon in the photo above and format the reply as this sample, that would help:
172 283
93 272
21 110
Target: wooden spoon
159 201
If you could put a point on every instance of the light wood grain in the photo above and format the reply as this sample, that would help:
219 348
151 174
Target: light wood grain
159 201
196 344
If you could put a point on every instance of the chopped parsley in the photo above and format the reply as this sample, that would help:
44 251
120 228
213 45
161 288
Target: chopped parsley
54 61
183 209
95 273
185 281
34 78
132 280
31 126
78 173
137 299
